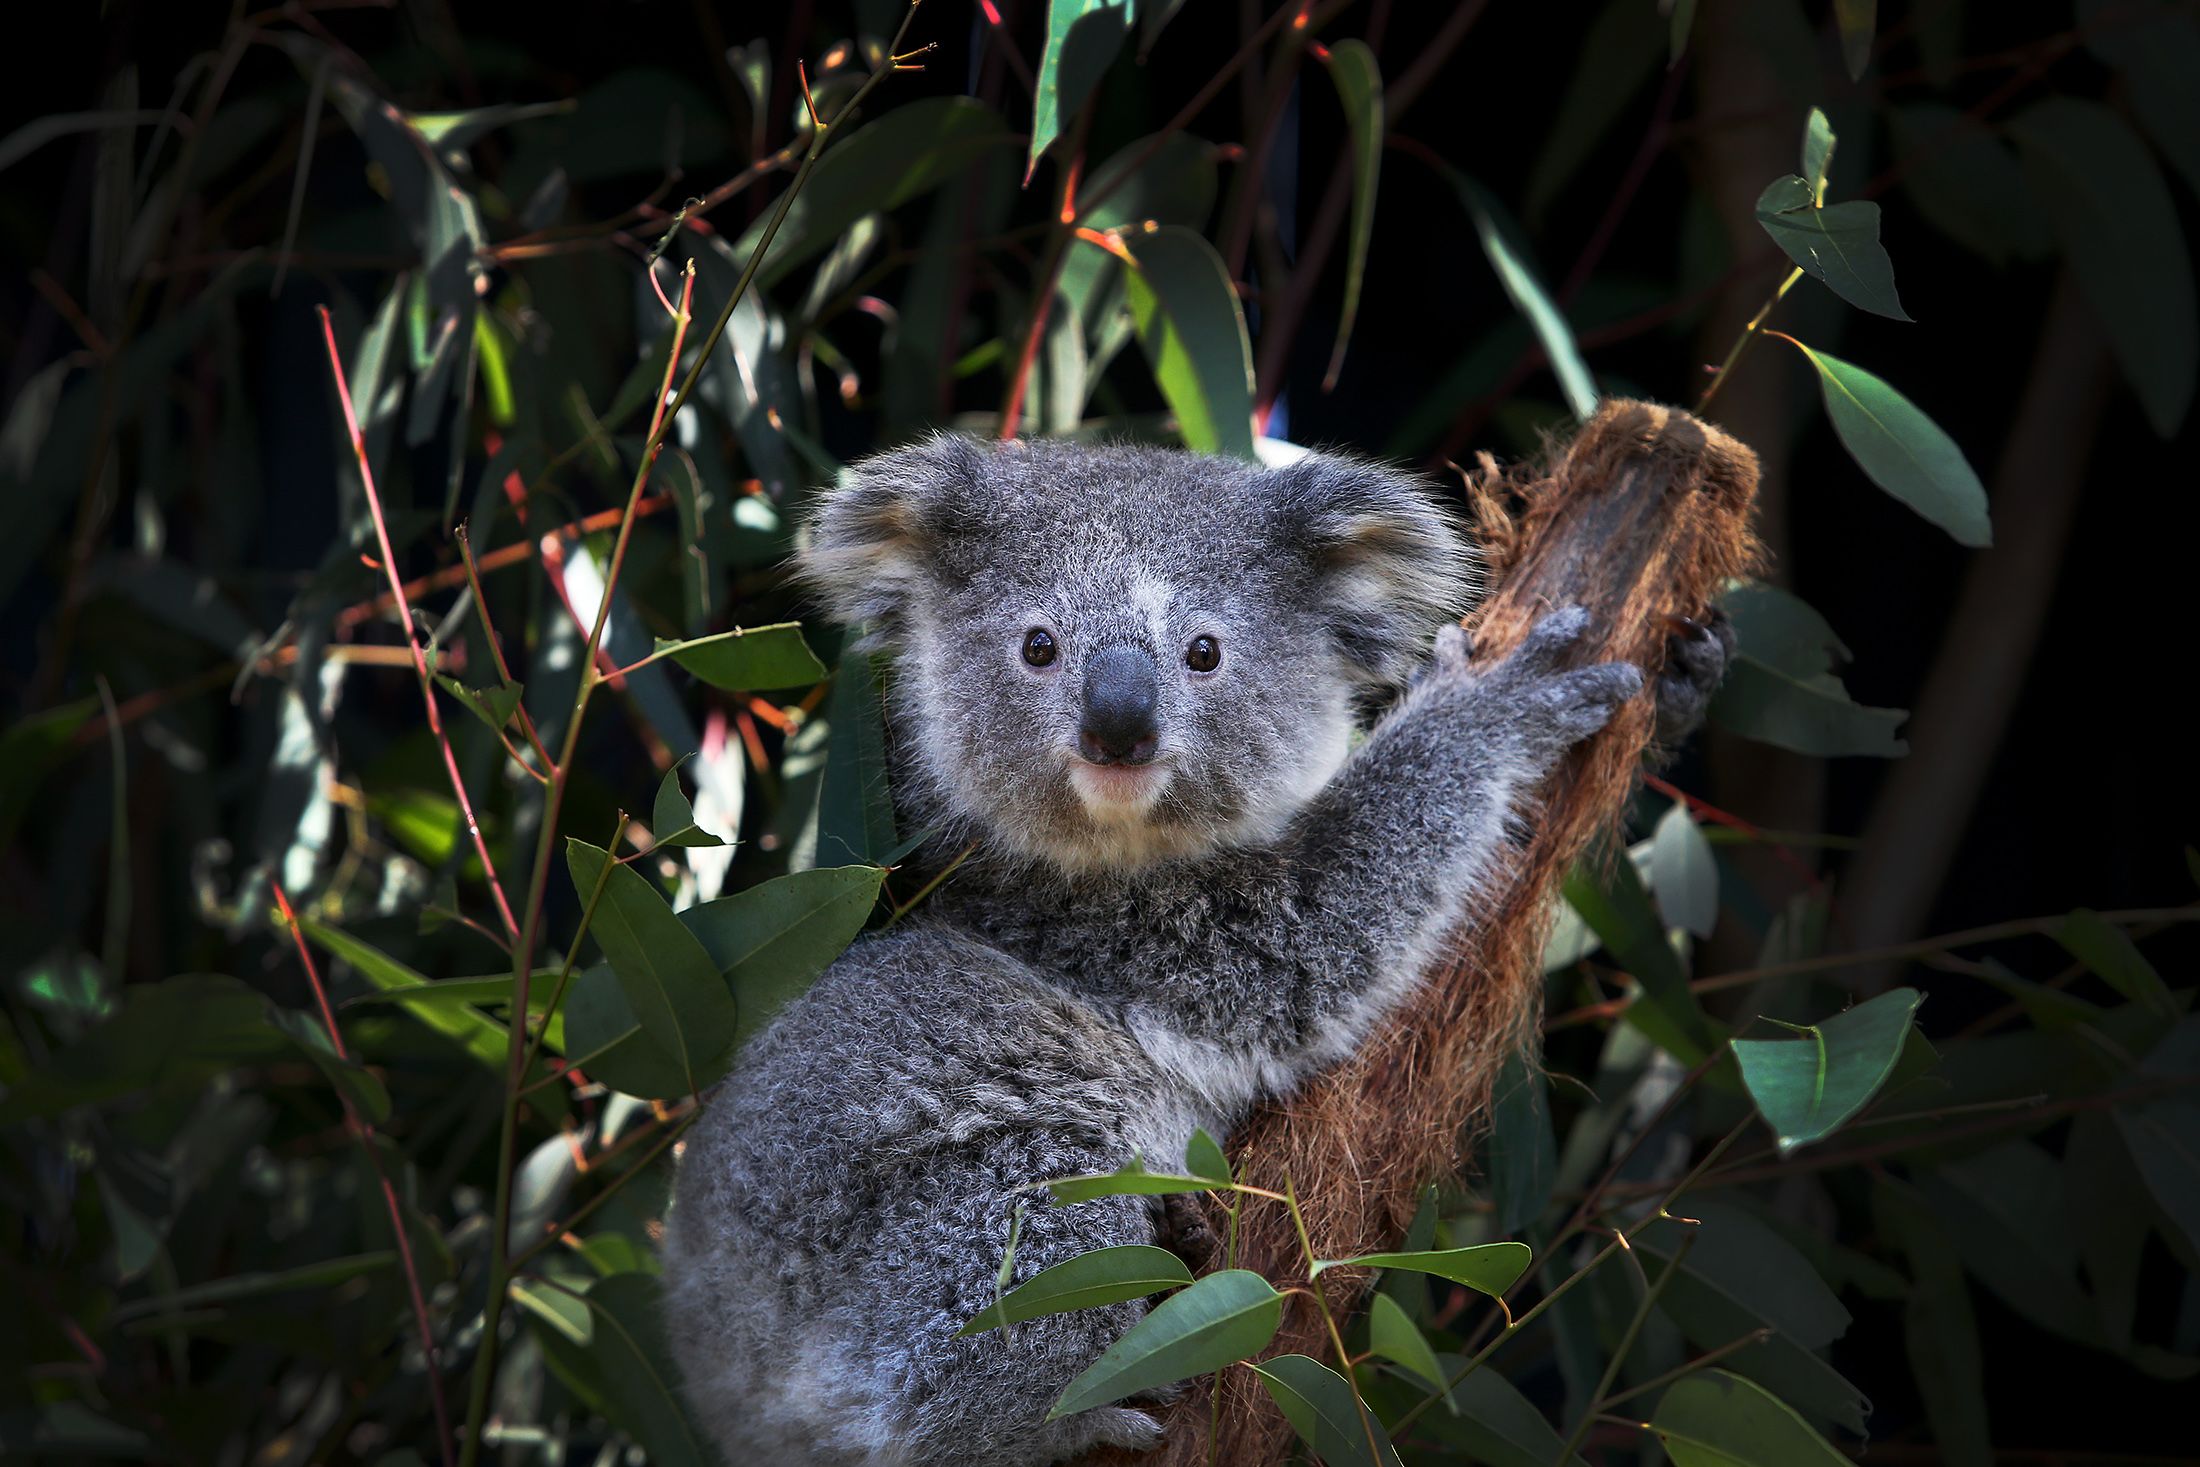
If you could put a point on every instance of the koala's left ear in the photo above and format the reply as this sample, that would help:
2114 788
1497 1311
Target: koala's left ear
873 535
1391 565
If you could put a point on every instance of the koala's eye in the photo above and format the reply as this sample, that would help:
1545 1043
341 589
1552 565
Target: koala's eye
1203 655
1038 647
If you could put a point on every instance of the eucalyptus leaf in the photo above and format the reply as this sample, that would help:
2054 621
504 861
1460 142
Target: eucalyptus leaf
676 992
1807 1088
1103 1276
1488 1268
1325 1411
1222 1318
1718 1419
749 659
1193 331
1901 450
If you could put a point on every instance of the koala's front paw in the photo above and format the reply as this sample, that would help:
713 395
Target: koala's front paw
1696 658
1181 1227
1548 708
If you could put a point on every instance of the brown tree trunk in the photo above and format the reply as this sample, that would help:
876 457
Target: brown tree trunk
1640 519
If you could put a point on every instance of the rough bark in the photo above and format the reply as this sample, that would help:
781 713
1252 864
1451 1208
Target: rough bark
1640 518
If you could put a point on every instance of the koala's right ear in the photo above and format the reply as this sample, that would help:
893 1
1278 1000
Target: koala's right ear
871 538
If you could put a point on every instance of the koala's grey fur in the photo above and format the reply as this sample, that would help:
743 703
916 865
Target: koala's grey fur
1101 975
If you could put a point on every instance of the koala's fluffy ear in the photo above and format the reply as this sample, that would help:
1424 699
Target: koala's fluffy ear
1391 565
872 537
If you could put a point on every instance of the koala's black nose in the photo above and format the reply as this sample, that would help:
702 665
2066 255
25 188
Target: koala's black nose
1122 696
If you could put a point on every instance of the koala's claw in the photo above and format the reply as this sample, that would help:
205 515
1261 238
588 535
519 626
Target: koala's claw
1696 658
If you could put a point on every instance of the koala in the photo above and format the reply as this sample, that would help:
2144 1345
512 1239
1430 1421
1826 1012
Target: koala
1132 682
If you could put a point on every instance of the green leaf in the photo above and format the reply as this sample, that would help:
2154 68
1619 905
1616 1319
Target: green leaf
1609 896
1817 153
2110 954
1103 1276
1812 715
1966 182
1857 20
1715 1419
1939 1330
773 940
1901 450
884 164
1807 1088
1498 1426
1082 38
672 818
322 1275
1392 1334
2109 207
1488 1268
1359 80
1507 252
1683 875
486 1039
168 1037
855 805
1837 244
676 992
1204 1158
627 1371
604 1040
1193 331
1325 1411
749 659
494 706
28 751
1224 1317
1523 1154
1129 1180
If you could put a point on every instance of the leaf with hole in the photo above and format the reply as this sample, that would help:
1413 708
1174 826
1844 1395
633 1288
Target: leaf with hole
1222 1318
1103 1276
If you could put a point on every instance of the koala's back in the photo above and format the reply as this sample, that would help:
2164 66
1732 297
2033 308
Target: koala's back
844 1202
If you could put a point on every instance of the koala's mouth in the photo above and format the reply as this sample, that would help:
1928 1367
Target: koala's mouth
1118 792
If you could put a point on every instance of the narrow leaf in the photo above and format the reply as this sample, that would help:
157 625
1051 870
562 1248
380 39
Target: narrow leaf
1129 1180
676 992
1193 331
1683 876
1359 79
1489 1268
750 659
1326 1412
1224 1317
1082 38
1901 450
1104 1276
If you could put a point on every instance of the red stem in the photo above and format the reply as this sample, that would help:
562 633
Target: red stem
412 631
362 1131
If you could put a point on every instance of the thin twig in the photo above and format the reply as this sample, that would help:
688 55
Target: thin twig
362 1131
403 605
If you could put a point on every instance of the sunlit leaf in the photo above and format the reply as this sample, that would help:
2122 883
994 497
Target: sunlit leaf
1324 1410
749 659
1359 80
1808 1087
1507 251
1857 19
1082 37
1103 1276
1684 878
1193 331
1716 1419
1901 450
1818 143
1224 1317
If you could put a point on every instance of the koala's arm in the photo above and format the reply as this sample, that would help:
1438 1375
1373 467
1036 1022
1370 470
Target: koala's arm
1311 940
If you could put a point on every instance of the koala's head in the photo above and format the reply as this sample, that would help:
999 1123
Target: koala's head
1111 656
